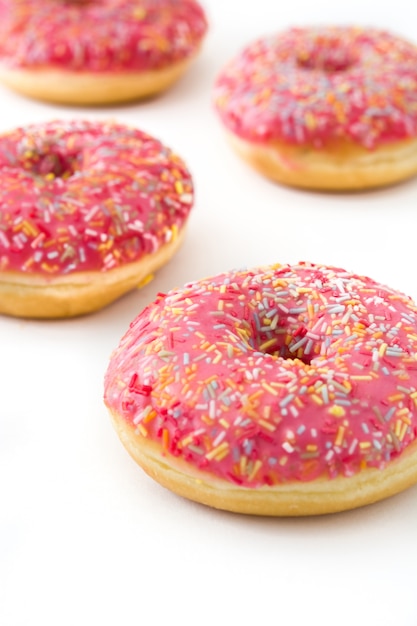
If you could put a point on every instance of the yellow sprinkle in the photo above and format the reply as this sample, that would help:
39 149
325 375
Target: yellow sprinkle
364 445
187 440
257 466
269 388
209 380
267 425
316 399
337 411
145 281
219 450
224 423
174 232
403 432
223 454
398 426
28 228
142 430
382 349
311 447
243 464
217 358
395 397
267 344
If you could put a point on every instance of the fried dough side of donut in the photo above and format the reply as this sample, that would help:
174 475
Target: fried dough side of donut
84 88
345 167
285 500
80 293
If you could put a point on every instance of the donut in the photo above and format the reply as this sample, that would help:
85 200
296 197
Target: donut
86 52
323 108
284 390
88 211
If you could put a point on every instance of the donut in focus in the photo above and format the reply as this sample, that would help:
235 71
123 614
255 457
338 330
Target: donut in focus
331 108
95 52
88 212
282 390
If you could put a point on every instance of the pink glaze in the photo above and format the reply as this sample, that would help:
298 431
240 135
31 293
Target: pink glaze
99 35
276 374
313 86
78 196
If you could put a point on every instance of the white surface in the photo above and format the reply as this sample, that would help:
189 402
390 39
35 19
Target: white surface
86 537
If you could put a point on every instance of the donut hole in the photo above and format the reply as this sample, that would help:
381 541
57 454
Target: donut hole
326 54
50 165
283 336
285 343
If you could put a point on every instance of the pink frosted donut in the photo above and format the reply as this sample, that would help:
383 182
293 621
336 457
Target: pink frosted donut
283 390
88 211
325 108
97 51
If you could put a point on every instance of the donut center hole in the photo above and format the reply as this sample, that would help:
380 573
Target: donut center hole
326 54
50 165
285 341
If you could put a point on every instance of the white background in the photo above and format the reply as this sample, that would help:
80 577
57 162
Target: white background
85 536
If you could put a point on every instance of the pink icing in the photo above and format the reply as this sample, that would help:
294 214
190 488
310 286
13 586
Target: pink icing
78 196
276 374
312 86
99 35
